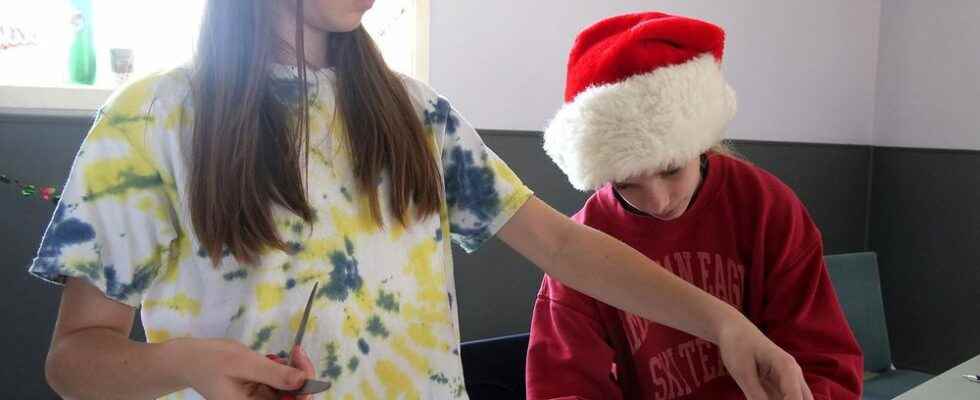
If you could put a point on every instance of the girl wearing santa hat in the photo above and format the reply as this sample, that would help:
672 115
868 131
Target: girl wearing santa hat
646 107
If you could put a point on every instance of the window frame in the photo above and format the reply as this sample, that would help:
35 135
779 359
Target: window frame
74 100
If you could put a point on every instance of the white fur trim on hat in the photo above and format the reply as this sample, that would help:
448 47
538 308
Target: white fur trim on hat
647 122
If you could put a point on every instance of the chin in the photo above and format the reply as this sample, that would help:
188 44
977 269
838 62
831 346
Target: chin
364 5
667 217
345 28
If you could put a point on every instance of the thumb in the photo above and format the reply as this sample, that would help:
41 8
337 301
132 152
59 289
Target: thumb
303 362
747 378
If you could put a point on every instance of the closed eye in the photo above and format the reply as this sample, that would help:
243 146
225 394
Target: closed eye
670 172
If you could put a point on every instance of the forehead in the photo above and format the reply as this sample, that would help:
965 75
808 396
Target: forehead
655 173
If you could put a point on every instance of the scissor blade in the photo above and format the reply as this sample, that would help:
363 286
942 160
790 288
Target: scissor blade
302 324
311 386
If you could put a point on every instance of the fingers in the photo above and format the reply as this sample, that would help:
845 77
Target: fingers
263 392
788 382
807 394
263 370
302 362
749 381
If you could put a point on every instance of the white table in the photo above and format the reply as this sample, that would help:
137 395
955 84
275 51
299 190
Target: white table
949 386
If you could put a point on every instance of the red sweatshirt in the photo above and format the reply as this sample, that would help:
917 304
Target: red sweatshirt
745 239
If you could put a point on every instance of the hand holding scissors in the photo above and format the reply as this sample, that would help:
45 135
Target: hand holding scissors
297 358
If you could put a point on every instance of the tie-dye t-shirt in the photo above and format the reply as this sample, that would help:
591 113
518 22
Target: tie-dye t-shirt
384 321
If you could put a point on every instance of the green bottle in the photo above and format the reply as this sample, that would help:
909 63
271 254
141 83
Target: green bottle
81 57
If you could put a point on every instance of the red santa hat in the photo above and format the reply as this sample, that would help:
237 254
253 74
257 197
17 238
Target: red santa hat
644 93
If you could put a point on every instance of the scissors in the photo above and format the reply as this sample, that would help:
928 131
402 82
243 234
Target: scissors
311 386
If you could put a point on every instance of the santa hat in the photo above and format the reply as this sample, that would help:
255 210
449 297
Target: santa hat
644 93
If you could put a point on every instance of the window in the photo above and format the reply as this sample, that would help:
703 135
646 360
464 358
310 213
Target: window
401 30
35 39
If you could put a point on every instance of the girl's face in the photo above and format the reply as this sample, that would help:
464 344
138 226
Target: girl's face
665 195
333 15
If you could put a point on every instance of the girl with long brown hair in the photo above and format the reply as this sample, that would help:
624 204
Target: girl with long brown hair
214 196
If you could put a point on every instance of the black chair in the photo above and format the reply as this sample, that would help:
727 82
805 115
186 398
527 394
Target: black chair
494 368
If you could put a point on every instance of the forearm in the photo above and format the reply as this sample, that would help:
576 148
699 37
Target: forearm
616 274
104 364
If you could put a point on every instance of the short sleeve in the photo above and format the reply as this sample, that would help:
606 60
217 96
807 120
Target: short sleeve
482 192
114 224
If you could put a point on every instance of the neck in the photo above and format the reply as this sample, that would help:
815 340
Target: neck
314 44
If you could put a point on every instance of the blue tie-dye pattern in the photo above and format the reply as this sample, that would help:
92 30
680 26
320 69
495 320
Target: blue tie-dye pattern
125 232
471 187
344 278
142 279
442 113
63 232
470 238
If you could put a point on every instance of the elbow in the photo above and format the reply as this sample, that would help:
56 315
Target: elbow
55 369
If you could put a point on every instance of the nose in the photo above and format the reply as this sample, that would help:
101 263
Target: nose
657 199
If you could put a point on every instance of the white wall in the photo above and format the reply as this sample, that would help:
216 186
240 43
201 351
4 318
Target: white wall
804 70
929 75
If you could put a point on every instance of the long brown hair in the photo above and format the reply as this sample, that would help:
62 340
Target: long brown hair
249 145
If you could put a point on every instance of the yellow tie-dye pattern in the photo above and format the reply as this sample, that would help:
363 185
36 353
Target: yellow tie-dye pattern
157 335
349 225
352 324
119 177
127 117
397 230
154 206
364 301
425 314
298 317
180 304
431 285
387 312
519 196
318 155
133 99
176 119
422 335
319 116
395 382
367 392
312 275
174 396
268 296
319 250
502 171
416 360
182 247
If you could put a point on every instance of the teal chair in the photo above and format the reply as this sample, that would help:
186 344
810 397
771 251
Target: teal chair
856 280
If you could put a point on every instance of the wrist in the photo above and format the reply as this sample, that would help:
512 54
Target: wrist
176 361
728 323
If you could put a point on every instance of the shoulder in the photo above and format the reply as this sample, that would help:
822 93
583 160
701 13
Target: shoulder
424 97
142 117
770 202
750 184
148 92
